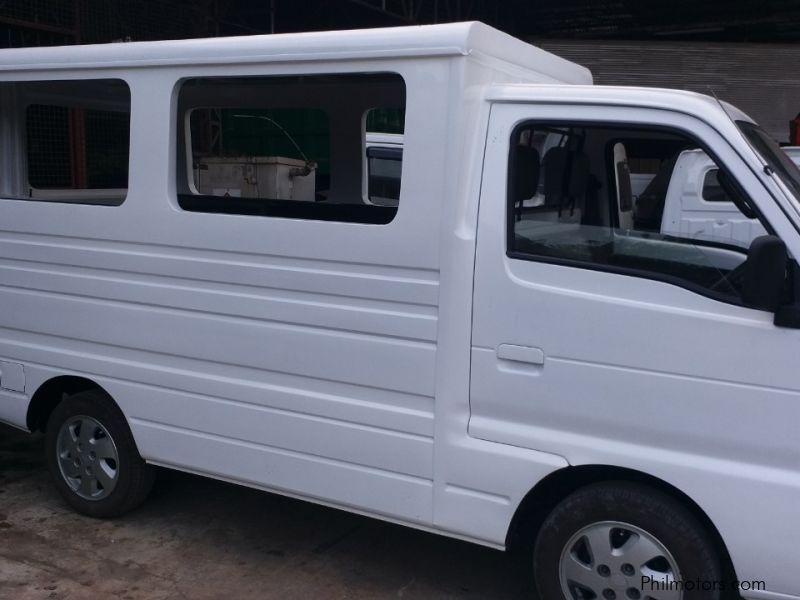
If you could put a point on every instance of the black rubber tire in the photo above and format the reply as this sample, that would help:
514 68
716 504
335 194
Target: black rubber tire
660 515
135 476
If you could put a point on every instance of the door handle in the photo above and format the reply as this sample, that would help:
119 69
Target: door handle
522 354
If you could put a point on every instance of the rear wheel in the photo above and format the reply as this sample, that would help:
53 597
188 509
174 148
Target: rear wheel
624 541
92 457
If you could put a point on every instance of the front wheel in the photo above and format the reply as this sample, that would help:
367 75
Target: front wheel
93 458
625 541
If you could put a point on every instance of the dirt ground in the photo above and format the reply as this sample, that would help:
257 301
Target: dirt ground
201 539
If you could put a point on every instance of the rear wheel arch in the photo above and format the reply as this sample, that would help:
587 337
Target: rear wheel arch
551 490
52 392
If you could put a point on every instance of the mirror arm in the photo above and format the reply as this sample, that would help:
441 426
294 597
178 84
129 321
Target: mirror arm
735 194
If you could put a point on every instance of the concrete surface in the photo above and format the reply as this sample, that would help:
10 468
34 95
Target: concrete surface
203 539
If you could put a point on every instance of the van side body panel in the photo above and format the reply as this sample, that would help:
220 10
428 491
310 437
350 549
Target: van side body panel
295 355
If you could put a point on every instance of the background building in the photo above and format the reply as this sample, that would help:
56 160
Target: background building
746 52
757 78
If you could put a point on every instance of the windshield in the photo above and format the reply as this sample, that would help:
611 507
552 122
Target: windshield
772 154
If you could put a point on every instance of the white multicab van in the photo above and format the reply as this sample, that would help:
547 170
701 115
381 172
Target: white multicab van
560 374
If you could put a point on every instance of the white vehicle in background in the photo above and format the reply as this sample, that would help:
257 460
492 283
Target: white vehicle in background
698 205
794 153
383 162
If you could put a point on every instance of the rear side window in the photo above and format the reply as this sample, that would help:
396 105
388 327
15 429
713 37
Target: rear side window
77 148
290 147
75 139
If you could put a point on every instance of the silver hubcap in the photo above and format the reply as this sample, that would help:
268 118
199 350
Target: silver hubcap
87 458
610 560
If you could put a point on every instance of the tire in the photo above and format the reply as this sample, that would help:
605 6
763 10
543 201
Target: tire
92 457
600 537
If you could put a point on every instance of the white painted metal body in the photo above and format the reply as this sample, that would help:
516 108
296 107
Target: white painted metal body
384 140
409 371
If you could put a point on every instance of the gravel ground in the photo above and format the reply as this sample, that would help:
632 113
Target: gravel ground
201 539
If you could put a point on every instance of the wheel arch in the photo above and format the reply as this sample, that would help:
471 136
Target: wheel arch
547 493
51 393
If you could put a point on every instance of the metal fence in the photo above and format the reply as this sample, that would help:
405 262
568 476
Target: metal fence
74 148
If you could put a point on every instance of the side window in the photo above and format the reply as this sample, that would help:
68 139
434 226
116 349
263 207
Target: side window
628 200
75 137
712 188
292 147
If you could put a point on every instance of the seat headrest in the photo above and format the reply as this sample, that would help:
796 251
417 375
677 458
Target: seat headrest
525 173
566 175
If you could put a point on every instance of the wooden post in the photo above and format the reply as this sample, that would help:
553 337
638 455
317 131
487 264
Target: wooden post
77 149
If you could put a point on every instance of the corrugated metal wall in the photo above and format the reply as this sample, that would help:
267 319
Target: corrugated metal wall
762 80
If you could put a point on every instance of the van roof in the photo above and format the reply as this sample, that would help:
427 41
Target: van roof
645 97
453 39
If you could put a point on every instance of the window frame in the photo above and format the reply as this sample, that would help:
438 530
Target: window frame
615 270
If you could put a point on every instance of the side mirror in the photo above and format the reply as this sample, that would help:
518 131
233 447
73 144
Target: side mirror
788 315
764 276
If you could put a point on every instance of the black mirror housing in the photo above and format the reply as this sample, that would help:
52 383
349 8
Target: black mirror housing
764 278
788 315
